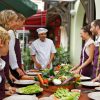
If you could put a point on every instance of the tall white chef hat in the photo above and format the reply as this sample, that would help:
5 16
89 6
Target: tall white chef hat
42 30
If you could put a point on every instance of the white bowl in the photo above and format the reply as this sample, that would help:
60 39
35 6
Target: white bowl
56 81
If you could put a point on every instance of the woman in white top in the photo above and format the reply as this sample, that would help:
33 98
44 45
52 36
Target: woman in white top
4 45
15 60
85 67
9 21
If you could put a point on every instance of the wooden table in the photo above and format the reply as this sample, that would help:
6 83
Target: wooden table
47 93
83 96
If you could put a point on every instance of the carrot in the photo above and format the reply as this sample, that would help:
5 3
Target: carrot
45 81
40 79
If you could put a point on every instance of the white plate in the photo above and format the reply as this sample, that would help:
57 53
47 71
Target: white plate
46 98
94 95
33 73
51 97
97 88
21 97
84 78
24 82
90 83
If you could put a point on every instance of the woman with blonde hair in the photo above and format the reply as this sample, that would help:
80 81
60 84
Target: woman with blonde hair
15 58
8 20
4 41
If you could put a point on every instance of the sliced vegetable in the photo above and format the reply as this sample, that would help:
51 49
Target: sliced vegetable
40 79
45 81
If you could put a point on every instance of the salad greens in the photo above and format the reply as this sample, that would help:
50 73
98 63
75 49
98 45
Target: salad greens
63 94
30 89
64 71
47 72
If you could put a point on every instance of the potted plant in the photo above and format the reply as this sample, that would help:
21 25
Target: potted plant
61 57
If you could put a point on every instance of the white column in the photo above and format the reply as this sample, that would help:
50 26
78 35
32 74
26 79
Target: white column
75 39
97 5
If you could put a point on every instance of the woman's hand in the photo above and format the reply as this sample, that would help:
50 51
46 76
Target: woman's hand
77 71
73 69
20 72
22 66
96 79
12 78
11 90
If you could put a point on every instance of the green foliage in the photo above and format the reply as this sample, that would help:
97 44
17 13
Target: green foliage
47 72
65 71
26 58
61 57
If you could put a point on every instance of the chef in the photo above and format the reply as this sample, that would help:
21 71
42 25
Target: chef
42 50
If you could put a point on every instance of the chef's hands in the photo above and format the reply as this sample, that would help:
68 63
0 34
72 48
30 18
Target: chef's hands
48 65
20 72
38 65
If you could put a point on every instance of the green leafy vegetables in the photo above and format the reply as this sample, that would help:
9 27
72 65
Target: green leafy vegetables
30 89
64 71
63 94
